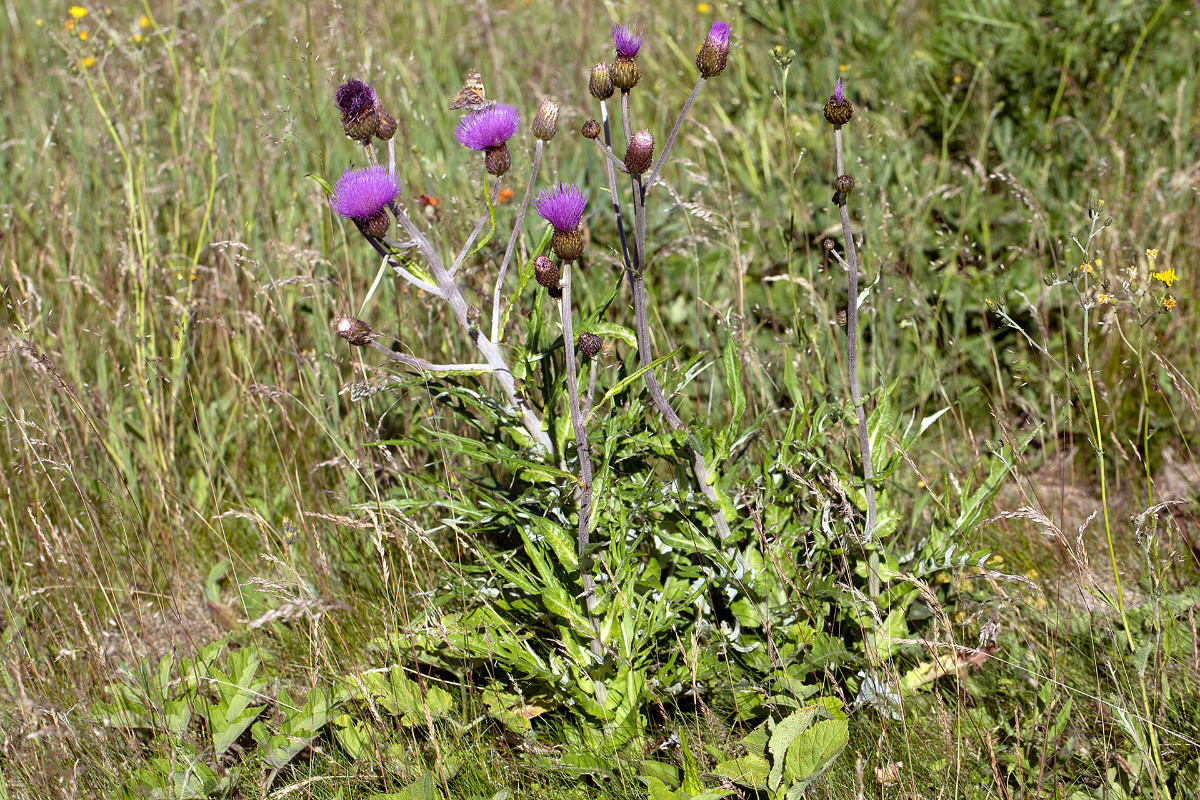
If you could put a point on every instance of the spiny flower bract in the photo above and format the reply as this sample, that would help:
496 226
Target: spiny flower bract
626 39
362 193
562 205
488 127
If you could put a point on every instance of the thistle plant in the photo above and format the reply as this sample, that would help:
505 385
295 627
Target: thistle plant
838 112
643 169
367 196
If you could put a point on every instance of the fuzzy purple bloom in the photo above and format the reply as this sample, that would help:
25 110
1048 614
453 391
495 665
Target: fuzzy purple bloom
354 98
718 36
362 193
837 92
488 127
562 206
627 40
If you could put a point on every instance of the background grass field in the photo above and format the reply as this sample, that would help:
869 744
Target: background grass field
188 447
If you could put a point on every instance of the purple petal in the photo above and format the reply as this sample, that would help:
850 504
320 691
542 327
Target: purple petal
562 205
488 127
627 40
363 193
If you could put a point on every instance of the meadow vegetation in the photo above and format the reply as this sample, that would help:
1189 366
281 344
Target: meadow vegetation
240 556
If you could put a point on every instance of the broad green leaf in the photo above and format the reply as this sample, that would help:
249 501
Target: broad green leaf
782 737
610 330
657 789
423 788
559 540
749 770
816 748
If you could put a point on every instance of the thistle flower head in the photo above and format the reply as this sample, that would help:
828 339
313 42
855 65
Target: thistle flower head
711 57
640 154
562 206
626 39
357 101
600 82
354 98
488 127
838 110
363 193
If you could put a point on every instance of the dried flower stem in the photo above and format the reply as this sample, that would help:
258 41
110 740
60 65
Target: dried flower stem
487 348
585 457
864 440
512 240
422 365
487 215
616 202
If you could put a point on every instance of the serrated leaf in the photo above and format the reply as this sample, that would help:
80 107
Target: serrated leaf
786 732
749 770
816 748
611 330
560 541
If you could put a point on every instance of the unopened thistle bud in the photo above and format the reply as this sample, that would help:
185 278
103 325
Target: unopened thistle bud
545 123
589 344
842 185
356 100
625 73
838 110
562 206
354 331
710 60
387 123
601 82
546 272
591 129
640 154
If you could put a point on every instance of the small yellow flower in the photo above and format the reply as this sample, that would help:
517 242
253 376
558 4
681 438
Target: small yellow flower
842 68
1151 255
143 21
77 12
83 36
38 22
89 61
1169 303
1104 299
137 38
1086 268
1167 276
69 24
703 8
957 79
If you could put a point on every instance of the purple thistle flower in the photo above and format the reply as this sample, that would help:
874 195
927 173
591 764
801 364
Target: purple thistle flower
627 40
718 36
562 206
488 127
361 194
837 92
354 98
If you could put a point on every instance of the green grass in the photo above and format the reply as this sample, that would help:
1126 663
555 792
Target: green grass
173 390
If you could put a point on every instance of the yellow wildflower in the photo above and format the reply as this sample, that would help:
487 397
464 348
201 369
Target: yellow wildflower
69 24
957 79
1168 303
89 61
143 21
1167 276
1086 268
77 12
83 36
137 38
1104 299
703 8
842 68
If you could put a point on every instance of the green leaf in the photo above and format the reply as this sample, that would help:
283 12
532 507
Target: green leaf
733 382
816 748
782 737
324 184
610 330
621 385
750 770
657 790
559 540
423 788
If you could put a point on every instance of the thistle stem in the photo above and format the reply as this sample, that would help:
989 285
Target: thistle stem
512 240
662 156
616 202
585 457
486 347
466 248
864 440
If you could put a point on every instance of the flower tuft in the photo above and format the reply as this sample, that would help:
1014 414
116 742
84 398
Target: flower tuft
356 100
838 110
488 127
711 58
626 39
361 194
838 96
562 206
1166 276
